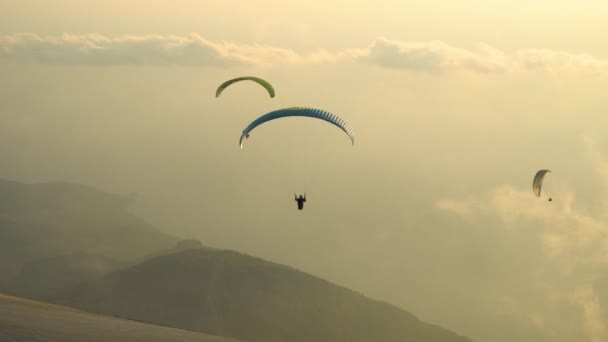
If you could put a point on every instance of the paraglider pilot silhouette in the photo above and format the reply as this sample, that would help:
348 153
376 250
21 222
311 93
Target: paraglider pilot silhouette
300 201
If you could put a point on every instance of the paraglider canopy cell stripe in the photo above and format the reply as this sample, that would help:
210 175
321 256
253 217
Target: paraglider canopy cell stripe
537 183
257 80
300 111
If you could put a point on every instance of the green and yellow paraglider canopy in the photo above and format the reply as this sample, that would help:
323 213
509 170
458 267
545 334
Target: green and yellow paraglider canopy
257 80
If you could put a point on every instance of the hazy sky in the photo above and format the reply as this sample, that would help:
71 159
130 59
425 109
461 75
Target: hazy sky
455 107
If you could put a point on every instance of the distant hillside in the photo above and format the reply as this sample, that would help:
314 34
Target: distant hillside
44 278
231 294
25 320
180 246
79 246
39 221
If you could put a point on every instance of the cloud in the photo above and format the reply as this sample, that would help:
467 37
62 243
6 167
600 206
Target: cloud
194 50
572 239
594 321
596 158
95 49
568 235
559 61
465 209
433 56
437 56
573 242
190 50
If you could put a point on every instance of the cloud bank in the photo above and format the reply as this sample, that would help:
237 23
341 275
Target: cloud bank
189 50
572 240
194 50
433 56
